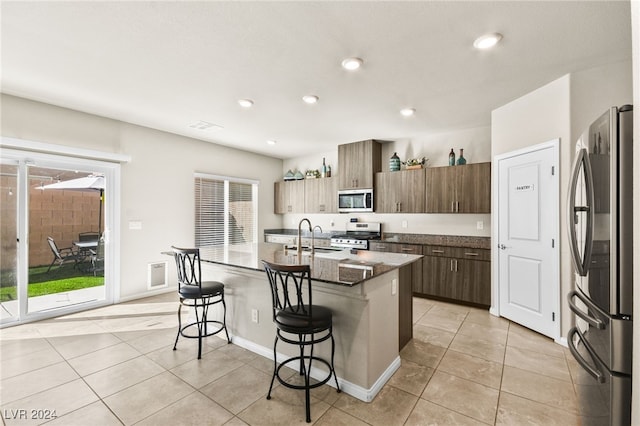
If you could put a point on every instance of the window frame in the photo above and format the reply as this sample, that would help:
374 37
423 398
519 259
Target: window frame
227 180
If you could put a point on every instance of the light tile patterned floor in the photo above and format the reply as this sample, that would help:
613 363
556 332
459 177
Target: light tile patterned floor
114 365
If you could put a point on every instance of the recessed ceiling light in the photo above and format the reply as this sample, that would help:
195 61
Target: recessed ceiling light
271 142
407 112
487 41
204 125
310 99
245 103
351 64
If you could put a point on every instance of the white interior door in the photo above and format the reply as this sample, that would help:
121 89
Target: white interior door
528 219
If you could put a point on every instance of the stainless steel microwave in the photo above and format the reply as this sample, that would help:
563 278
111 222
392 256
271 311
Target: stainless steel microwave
355 200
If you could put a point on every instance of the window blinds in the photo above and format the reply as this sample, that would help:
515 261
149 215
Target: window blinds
225 211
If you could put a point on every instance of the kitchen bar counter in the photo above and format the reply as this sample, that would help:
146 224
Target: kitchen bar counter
368 293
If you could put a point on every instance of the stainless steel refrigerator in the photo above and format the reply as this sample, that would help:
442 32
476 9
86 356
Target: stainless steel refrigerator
600 223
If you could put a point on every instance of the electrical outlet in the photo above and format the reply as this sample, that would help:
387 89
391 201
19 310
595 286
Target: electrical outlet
394 286
404 224
254 315
480 224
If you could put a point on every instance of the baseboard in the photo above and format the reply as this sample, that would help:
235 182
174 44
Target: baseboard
562 341
352 389
148 294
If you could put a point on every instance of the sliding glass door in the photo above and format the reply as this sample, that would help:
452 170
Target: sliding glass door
56 244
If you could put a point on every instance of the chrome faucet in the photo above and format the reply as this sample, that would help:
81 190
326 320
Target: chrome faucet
313 238
300 237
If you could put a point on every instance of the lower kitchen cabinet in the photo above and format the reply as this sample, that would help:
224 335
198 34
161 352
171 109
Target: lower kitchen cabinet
416 267
457 274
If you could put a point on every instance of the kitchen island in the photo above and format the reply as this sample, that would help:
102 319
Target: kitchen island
363 289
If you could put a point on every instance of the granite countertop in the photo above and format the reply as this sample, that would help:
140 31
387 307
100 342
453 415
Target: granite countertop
439 240
389 237
332 266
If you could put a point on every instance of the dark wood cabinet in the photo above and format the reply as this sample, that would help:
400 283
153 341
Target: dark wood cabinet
457 273
288 197
400 192
459 189
357 164
321 195
416 267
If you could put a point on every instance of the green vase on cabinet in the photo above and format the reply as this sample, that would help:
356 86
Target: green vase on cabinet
394 163
461 160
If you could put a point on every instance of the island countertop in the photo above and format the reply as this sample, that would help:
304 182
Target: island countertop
341 267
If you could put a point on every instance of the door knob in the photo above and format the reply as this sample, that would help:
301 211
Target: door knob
502 247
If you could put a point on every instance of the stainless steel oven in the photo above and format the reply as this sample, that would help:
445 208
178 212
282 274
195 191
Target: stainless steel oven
358 235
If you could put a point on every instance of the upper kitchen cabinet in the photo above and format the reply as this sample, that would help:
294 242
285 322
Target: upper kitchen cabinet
357 164
400 192
459 189
288 197
320 195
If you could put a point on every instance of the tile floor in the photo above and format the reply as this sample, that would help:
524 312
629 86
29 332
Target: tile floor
114 366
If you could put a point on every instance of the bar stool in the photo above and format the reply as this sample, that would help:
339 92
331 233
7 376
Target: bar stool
197 294
299 322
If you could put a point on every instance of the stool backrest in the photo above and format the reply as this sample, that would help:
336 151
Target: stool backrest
290 289
188 266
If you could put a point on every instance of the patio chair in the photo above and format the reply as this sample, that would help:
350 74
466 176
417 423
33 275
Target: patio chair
88 236
62 256
97 258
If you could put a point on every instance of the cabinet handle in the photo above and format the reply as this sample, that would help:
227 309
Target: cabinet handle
451 265
321 207
452 207
456 260
457 206
437 251
471 254
406 249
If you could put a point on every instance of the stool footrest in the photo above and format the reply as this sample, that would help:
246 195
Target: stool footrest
303 386
219 326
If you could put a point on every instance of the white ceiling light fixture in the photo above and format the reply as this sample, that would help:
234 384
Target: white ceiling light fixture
245 103
310 99
487 41
408 112
271 142
352 64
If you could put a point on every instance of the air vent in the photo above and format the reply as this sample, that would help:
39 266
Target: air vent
157 275
204 125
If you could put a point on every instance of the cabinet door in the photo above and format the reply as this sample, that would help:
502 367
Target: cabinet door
357 164
289 197
400 192
474 281
436 276
440 190
473 188
320 195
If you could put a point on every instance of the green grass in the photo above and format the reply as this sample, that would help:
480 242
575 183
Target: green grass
59 279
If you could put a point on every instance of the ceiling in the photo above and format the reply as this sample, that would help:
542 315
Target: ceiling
166 65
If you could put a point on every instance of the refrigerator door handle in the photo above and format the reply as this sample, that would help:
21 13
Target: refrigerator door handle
593 371
582 162
594 322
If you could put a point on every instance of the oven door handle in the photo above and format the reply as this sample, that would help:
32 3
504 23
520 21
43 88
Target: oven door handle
597 374
594 322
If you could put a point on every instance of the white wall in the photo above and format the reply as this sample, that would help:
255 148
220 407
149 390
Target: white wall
157 185
477 148
560 109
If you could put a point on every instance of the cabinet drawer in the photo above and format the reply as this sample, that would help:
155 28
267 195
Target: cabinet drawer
406 248
457 252
280 239
378 246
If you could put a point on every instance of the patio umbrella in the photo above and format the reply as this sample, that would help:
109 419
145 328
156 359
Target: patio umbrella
87 183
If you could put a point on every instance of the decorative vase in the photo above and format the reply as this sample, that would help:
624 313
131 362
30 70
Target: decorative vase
461 160
452 158
394 163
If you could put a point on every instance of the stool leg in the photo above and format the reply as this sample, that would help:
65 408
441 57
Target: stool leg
199 325
275 367
307 389
333 352
224 318
179 325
